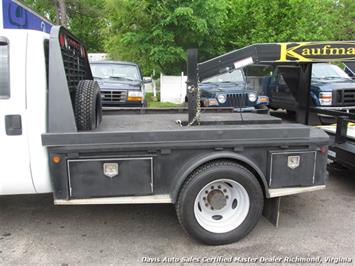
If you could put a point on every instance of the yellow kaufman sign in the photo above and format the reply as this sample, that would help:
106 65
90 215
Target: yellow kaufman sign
317 51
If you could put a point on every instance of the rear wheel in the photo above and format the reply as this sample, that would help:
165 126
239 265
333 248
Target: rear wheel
88 110
220 203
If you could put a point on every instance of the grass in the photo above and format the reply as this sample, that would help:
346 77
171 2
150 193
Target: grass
153 102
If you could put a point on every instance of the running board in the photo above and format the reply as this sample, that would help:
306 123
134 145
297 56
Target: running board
117 200
279 192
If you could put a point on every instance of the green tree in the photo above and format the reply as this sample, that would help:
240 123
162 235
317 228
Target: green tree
257 21
45 8
345 17
156 33
87 21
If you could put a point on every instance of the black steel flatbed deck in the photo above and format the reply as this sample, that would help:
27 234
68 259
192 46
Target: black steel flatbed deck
170 121
159 130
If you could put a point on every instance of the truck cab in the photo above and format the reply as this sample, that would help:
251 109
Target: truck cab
23 100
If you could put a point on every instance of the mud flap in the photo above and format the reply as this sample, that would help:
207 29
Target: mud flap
272 210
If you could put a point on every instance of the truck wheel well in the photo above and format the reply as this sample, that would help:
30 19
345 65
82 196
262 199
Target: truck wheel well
254 172
252 169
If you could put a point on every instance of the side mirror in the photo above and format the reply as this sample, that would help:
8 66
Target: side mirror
147 80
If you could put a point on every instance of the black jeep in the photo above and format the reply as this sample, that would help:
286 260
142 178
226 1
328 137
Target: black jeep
230 90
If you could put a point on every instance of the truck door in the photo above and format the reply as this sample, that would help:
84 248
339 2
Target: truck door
15 172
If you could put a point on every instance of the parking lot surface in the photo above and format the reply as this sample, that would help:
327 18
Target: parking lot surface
34 231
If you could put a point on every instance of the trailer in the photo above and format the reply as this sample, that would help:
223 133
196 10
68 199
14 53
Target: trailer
342 137
220 169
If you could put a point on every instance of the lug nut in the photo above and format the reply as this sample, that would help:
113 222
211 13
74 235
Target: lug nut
212 187
219 187
206 205
211 208
204 198
227 197
224 190
206 191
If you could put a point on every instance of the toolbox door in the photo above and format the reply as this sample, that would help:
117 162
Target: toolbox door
89 178
292 168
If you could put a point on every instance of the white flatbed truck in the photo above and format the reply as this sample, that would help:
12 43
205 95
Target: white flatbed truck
220 170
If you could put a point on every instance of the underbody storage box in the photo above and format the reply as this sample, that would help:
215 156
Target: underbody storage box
110 177
292 168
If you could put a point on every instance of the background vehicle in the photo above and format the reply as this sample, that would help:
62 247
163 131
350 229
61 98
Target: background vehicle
331 89
230 90
121 83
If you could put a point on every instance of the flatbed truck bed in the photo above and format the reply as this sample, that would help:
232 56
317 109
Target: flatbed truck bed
175 150
220 169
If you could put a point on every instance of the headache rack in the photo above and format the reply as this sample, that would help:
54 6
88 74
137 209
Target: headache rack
68 64
75 68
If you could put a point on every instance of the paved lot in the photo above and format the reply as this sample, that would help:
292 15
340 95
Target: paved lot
32 230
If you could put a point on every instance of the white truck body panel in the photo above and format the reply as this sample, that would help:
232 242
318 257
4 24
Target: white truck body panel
15 175
23 159
36 110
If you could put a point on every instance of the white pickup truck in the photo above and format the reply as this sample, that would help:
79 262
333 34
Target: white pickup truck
220 174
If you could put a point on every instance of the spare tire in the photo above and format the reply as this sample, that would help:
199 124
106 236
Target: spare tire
87 108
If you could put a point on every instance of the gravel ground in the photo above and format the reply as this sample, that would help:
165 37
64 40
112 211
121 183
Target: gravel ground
34 231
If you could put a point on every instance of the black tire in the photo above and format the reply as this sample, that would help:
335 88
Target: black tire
198 180
88 110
